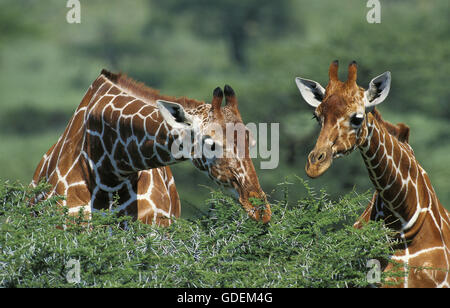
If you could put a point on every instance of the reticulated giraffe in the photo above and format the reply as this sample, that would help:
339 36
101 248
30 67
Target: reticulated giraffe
404 195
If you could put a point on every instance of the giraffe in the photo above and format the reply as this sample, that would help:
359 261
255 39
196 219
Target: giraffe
119 143
404 196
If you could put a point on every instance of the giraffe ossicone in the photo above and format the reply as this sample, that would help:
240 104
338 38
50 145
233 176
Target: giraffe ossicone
118 144
404 197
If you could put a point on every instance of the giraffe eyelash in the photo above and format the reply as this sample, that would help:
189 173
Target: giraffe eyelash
316 117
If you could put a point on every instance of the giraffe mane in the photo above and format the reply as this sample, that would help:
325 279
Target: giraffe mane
399 130
144 92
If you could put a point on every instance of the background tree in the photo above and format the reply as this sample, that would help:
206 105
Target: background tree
232 20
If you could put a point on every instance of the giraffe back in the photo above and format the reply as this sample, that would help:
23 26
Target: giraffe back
76 166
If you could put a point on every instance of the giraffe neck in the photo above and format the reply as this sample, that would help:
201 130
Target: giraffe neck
126 134
114 134
402 184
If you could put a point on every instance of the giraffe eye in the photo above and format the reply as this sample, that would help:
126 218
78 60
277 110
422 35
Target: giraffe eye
356 120
210 143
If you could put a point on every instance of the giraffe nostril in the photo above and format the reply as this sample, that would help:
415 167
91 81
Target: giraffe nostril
321 157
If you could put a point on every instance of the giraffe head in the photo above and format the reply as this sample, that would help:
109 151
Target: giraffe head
341 110
219 146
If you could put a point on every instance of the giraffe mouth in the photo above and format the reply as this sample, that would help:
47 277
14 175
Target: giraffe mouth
320 160
342 153
259 210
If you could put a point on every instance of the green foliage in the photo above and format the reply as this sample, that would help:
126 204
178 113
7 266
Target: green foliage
308 243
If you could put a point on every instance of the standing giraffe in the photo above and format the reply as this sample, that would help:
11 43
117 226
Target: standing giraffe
119 143
348 121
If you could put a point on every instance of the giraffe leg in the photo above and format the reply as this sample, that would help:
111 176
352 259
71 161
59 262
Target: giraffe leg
158 199
173 193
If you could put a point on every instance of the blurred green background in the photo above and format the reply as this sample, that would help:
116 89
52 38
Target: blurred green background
257 46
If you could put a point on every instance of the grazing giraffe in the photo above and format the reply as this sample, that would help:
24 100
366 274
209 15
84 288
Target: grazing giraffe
119 143
348 121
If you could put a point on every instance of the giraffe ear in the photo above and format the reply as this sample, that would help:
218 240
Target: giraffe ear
174 114
311 91
378 90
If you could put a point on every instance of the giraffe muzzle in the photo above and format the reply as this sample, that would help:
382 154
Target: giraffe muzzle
259 211
318 162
